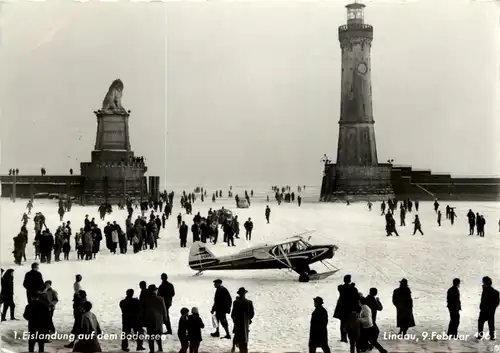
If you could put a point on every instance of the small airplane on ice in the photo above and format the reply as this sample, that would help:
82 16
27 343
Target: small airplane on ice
295 254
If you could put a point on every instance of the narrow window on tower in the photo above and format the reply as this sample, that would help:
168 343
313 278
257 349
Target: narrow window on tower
365 136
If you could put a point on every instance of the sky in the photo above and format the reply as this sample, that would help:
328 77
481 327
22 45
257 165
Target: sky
248 91
57 61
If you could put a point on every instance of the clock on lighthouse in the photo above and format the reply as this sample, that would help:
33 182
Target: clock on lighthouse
362 68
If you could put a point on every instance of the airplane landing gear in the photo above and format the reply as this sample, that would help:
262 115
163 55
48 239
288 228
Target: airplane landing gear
304 276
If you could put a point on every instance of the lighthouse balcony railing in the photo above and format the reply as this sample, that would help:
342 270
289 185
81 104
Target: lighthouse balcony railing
355 30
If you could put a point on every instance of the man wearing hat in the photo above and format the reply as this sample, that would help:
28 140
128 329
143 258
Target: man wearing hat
242 315
489 303
318 334
402 300
154 315
221 307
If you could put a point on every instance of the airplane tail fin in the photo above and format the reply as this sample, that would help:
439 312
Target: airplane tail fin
200 258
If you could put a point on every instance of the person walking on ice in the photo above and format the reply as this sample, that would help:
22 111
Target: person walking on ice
417 226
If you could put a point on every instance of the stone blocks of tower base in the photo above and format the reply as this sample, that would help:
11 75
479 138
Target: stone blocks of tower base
113 181
356 183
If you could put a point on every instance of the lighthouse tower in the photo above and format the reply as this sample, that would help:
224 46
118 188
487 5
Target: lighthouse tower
357 173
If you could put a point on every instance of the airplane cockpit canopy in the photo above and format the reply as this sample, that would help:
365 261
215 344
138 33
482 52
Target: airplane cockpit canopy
287 248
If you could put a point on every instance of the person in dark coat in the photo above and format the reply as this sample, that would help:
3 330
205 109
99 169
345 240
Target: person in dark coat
417 226
318 334
39 321
242 315
454 306
89 331
195 325
374 304
402 300
353 330
248 229
182 330
268 213
167 292
131 311
7 294
183 233
154 315
348 302
221 307
369 331
33 281
79 297
144 289
489 303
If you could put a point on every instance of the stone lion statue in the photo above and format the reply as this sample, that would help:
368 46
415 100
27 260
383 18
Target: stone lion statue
113 100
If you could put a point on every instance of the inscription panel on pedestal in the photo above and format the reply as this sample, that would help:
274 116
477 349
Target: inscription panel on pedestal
114 133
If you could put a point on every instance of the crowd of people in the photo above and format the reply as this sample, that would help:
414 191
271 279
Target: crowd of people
475 220
143 318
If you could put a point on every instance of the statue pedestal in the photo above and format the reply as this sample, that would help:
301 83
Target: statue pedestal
112 131
113 181
113 173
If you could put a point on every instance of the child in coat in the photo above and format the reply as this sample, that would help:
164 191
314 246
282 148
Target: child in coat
183 329
195 324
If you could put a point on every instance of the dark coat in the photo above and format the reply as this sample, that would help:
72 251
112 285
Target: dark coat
242 315
182 330
248 225
375 305
347 302
401 298
33 282
131 311
38 315
453 299
154 313
222 301
352 325
489 300
88 344
46 243
77 312
167 292
7 293
183 231
318 334
195 324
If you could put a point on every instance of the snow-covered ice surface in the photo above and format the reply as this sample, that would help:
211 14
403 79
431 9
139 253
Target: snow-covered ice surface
283 305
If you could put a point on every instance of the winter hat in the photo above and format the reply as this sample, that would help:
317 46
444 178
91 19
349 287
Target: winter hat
241 291
318 300
194 310
152 288
218 281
